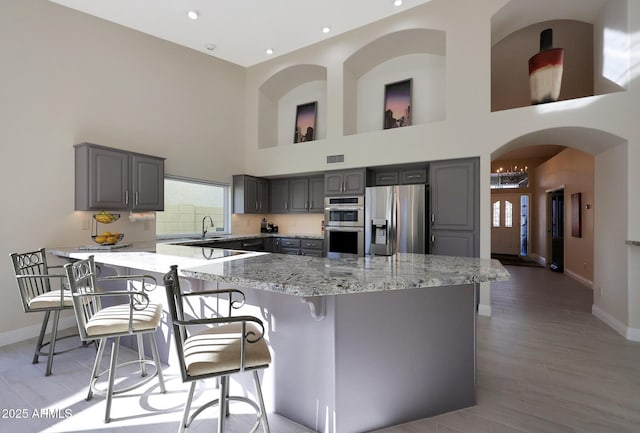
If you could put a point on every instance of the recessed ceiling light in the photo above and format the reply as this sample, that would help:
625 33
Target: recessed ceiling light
193 15
397 3
326 29
269 51
210 47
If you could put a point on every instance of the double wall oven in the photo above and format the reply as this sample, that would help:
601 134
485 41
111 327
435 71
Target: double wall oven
344 226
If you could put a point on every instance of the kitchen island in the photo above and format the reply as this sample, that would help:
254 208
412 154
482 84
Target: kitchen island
359 343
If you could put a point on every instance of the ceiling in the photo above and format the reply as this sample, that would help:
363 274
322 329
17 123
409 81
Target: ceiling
242 30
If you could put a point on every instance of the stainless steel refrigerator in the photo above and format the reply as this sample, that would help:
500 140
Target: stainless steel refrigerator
395 220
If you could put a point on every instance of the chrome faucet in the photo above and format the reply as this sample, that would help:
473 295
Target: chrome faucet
204 231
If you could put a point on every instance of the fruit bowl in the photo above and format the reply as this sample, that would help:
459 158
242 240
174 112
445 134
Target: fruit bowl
106 217
108 238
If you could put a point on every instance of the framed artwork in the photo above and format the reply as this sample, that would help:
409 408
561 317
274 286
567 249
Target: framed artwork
397 104
576 220
305 122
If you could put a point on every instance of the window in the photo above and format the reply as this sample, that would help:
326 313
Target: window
508 214
496 214
187 202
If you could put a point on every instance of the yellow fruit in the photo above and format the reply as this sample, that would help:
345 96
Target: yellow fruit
100 239
112 240
107 234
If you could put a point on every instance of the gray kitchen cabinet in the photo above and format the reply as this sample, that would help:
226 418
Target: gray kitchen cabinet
385 178
114 179
454 200
250 194
413 176
273 245
254 244
316 194
345 182
290 246
311 247
279 195
405 174
299 194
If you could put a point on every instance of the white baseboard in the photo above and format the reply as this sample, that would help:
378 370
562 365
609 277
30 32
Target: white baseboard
484 310
28 332
632 334
579 278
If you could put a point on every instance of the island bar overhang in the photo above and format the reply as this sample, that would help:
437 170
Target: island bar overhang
394 340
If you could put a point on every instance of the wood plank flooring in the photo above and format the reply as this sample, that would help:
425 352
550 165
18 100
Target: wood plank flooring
545 364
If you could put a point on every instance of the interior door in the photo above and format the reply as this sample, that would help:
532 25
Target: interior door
505 224
557 230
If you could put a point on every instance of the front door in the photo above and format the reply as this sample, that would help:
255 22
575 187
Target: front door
505 224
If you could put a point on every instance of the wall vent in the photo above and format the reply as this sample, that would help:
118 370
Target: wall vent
334 159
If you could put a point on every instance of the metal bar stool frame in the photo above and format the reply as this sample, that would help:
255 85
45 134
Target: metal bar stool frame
87 305
38 295
249 333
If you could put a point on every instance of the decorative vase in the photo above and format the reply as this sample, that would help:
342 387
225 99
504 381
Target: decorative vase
545 70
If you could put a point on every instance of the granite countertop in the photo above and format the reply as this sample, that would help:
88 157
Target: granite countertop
301 275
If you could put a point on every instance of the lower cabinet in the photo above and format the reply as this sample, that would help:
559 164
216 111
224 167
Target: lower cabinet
278 245
298 246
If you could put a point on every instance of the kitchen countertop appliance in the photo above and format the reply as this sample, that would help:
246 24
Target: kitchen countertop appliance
395 220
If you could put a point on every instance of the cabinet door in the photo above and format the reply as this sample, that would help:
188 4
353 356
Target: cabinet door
333 183
383 178
354 182
263 196
316 194
454 200
108 179
147 183
250 194
299 194
416 176
279 195
345 182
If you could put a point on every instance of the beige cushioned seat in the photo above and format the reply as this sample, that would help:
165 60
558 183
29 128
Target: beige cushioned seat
218 349
115 319
51 300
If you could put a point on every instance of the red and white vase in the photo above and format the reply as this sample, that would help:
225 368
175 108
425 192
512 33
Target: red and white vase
545 70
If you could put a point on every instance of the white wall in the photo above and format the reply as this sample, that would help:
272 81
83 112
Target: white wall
66 78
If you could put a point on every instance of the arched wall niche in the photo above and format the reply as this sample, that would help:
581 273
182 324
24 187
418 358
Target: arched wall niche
281 85
424 49
594 34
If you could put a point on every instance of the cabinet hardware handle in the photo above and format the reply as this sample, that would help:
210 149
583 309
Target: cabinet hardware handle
126 196
433 239
286 205
137 201
433 218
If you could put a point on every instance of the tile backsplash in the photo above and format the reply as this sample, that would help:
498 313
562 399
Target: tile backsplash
307 224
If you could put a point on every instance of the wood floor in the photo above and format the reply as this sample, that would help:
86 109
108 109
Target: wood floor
545 364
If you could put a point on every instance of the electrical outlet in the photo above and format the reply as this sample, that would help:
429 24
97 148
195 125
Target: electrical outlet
85 223
599 290
146 226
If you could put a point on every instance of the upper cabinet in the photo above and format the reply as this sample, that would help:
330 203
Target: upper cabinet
113 179
306 194
250 194
345 182
297 194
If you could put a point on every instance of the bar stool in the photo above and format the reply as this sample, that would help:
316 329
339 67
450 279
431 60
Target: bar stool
137 317
233 345
41 291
